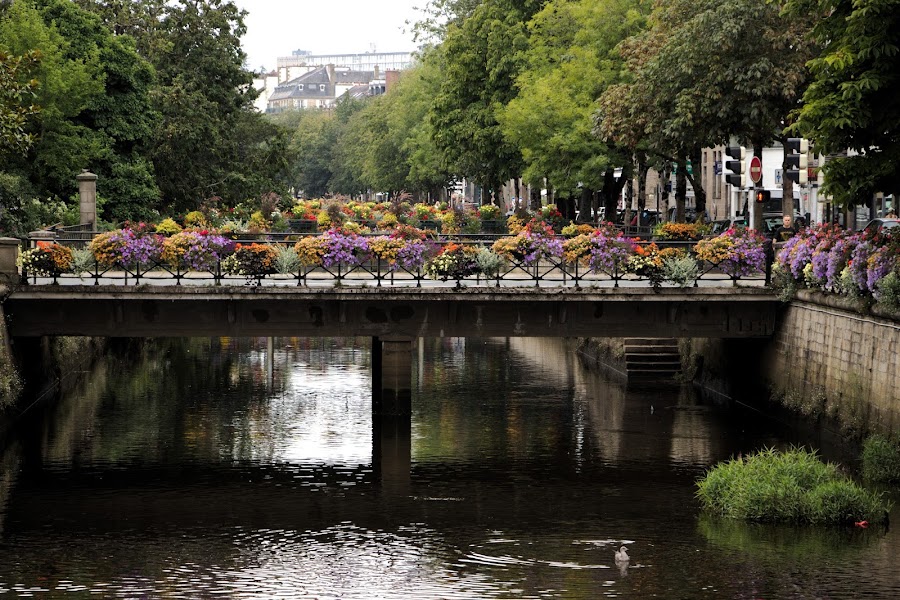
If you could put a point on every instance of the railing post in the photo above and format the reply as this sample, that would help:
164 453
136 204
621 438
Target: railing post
9 253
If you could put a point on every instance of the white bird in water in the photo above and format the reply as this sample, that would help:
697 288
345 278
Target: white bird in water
622 555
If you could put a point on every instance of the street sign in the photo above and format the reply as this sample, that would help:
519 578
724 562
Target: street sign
755 169
779 177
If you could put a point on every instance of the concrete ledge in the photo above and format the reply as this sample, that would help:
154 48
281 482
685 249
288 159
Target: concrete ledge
840 302
156 311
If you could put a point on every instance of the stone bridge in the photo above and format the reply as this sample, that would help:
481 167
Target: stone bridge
184 311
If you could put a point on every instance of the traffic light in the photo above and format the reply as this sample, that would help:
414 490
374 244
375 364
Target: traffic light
763 196
797 160
734 169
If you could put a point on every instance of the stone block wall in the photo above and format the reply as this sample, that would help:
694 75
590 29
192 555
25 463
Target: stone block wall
829 357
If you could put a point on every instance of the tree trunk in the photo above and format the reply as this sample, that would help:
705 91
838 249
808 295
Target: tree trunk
518 191
642 181
666 186
680 191
697 183
535 200
612 187
584 206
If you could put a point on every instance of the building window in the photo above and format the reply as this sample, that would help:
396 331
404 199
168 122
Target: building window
300 87
321 87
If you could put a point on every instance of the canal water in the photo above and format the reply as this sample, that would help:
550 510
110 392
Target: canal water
200 469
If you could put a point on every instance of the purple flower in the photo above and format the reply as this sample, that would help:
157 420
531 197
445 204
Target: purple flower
610 251
344 248
412 255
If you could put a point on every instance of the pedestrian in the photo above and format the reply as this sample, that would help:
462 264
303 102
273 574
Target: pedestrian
786 231
891 214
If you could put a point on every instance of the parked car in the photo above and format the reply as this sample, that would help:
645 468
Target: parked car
876 225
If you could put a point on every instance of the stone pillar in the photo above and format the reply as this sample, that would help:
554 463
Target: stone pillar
392 413
9 252
392 453
41 235
87 191
395 396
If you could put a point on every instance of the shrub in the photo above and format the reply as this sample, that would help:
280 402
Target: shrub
888 291
286 260
47 259
682 232
310 251
680 269
195 218
488 262
197 250
792 486
168 226
250 261
881 459
489 212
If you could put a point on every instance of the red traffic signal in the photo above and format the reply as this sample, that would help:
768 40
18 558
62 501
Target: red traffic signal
763 196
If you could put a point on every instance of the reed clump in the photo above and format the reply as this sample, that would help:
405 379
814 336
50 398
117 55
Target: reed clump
881 459
792 486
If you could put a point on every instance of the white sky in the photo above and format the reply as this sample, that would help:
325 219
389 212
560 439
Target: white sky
278 27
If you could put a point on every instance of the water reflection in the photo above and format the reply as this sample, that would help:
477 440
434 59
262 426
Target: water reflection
182 468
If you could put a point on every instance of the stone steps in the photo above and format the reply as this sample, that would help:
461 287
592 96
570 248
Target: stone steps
652 358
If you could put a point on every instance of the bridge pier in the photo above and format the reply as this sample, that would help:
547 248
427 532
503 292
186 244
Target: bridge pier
392 413
392 376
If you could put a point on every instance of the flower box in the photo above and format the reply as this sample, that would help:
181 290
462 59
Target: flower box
494 226
303 225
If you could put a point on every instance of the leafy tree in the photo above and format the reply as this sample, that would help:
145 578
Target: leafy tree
482 57
848 104
68 79
682 97
121 115
428 167
388 142
570 61
17 93
438 15
312 144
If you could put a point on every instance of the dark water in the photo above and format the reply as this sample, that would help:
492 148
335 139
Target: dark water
181 471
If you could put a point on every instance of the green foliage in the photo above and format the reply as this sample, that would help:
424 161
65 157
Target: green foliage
569 62
889 291
10 382
21 212
287 260
168 226
17 92
481 59
843 107
82 260
792 486
488 262
681 270
775 544
881 459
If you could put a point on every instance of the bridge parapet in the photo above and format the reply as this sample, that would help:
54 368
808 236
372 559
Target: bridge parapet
9 252
173 311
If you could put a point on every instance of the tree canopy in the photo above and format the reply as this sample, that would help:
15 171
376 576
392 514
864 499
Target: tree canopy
849 105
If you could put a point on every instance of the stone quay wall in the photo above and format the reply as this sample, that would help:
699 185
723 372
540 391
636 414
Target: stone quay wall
830 357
